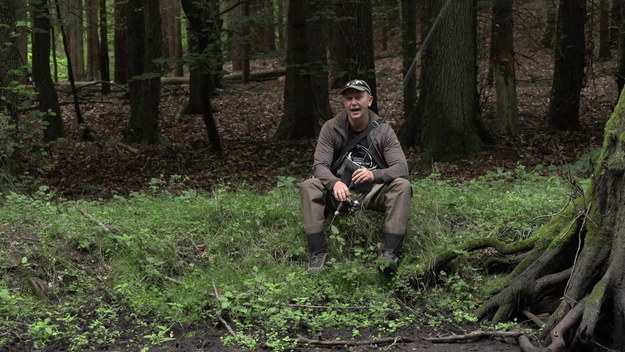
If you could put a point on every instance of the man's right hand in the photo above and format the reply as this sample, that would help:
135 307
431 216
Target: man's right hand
341 191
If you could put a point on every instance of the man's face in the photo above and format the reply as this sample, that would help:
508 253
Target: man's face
357 103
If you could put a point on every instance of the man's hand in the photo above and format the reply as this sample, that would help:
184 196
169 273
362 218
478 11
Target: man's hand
341 191
362 175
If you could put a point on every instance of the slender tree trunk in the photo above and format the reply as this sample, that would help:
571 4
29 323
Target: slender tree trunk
72 14
170 10
9 61
502 53
409 53
550 23
144 47
339 60
121 41
615 22
46 94
93 42
22 38
105 74
203 22
570 56
306 102
70 72
450 75
604 30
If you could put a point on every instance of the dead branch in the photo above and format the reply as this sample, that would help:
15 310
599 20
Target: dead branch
382 341
98 222
220 310
557 333
473 335
536 320
324 307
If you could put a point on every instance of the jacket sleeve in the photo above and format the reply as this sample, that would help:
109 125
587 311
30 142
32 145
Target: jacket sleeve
397 166
324 155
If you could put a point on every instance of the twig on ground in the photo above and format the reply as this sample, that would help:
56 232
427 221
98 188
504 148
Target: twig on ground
382 341
325 307
90 217
536 320
220 310
473 335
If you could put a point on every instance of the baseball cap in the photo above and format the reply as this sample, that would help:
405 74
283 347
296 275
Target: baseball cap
357 84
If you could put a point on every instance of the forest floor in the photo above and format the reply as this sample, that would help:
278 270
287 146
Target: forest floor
247 116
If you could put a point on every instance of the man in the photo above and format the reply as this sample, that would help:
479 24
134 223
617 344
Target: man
373 171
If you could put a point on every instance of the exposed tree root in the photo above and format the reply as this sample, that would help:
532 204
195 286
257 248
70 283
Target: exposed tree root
383 341
473 335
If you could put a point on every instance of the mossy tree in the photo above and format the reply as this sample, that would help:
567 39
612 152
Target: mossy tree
446 120
573 267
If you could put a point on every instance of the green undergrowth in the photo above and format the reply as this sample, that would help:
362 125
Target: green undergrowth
125 271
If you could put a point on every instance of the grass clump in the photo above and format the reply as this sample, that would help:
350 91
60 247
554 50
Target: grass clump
124 272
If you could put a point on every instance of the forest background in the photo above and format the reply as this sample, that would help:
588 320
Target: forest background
152 140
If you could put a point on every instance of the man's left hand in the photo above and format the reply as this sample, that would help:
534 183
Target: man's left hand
362 175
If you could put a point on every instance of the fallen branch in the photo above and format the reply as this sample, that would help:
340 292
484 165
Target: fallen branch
473 335
536 320
383 341
220 310
98 222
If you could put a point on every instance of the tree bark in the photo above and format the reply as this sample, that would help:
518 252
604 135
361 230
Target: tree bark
604 30
144 46
620 71
121 42
93 42
337 47
502 53
105 74
409 53
357 29
570 56
72 14
9 61
306 102
203 23
46 94
550 24
170 10
445 130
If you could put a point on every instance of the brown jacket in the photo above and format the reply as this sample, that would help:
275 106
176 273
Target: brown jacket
383 144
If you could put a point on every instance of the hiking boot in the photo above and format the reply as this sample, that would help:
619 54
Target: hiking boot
387 262
318 261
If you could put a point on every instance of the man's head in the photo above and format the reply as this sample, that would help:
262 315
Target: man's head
357 99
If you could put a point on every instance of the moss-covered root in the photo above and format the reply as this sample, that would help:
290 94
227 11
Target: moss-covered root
437 263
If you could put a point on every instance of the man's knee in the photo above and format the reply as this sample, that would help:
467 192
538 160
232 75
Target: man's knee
401 186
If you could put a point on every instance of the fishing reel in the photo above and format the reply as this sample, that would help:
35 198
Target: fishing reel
350 206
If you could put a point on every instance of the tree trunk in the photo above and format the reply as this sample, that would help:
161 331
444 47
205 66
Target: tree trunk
578 257
570 56
604 30
409 53
22 39
93 42
46 94
170 10
9 61
620 71
73 21
306 102
357 29
450 75
502 53
144 39
550 24
121 42
105 74
337 47
615 22
263 34
203 23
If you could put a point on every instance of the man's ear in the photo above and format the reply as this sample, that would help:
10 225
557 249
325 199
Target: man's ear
370 100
